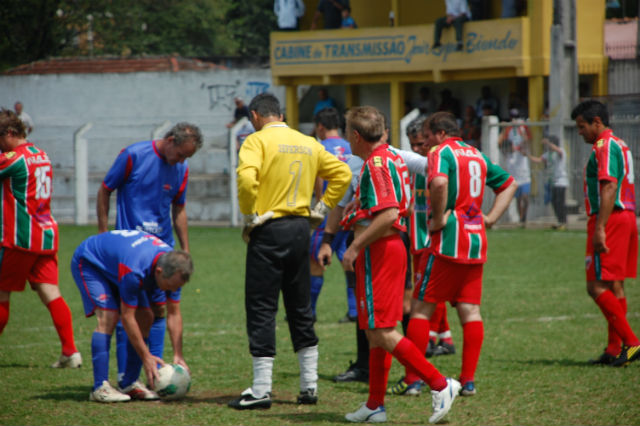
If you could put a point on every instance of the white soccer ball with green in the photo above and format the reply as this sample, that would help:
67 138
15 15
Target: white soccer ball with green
173 382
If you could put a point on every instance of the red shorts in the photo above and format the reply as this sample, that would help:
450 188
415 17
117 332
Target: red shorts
446 281
419 265
622 240
18 266
380 277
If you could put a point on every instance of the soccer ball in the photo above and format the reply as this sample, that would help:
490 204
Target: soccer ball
173 382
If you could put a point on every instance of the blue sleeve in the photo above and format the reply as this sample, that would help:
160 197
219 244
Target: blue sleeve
130 287
119 171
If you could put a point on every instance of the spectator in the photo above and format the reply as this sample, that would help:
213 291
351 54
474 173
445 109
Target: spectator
288 12
470 129
555 159
426 105
324 101
26 119
240 111
457 14
487 100
347 20
514 142
331 11
449 103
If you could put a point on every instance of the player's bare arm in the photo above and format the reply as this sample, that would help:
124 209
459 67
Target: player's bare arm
381 226
132 327
500 205
180 224
332 227
102 208
438 199
607 202
174 326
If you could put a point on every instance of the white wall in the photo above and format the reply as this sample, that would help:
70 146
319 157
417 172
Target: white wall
125 108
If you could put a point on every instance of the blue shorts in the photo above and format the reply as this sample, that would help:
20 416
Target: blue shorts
339 245
96 290
523 189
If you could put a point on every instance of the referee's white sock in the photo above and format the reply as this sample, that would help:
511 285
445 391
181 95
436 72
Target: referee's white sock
262 372
308 360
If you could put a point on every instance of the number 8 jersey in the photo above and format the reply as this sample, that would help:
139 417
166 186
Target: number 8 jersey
463 239
27 223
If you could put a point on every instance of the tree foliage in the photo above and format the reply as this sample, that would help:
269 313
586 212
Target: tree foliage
36 29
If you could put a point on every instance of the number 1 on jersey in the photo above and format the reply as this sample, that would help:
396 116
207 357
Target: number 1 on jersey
295 170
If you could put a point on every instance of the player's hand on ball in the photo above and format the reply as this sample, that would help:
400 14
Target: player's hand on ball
251 221
317 215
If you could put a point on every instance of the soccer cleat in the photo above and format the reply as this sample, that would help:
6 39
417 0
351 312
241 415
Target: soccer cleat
444 348
347 318
353 374
72 361
248 401
308 397
402 388
627 355
468 389
431 347
604 359
441 400
366 415
140 392
107 393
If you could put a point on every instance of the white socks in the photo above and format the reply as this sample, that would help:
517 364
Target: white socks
308 360
262 372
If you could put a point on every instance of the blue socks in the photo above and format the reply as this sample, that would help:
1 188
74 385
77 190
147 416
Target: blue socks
316 286
156 337
100 345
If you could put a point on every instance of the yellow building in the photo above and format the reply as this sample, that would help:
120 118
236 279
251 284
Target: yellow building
511 52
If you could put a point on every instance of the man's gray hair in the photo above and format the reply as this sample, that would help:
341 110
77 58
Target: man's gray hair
415 126
176 261
183 132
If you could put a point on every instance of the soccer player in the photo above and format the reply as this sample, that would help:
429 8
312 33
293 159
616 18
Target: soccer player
327 130
117 272
29 233
380 261
612 233
458 243
151 180
276 177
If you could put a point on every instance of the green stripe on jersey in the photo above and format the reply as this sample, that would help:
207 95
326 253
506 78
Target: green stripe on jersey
427 277
475 246
32 149
368 197
47 239
449 235
368 288
19 173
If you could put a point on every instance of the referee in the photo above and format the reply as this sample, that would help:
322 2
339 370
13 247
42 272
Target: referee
276 175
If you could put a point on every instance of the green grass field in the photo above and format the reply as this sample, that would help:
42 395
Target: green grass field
540 329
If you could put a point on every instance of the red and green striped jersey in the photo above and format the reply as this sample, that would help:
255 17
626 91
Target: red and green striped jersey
418 230
463 239
610 160
27 223
384 183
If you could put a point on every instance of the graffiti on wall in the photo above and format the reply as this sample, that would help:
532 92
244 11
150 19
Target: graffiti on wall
222 95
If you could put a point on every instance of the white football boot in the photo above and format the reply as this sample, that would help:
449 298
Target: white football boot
366 415
107 393
72 361
441 400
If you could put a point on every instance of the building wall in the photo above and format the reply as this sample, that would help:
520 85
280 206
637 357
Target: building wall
124 108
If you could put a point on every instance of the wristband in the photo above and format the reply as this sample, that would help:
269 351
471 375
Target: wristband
328 238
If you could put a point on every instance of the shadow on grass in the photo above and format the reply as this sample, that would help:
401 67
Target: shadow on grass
549 362
67 393
307 418
16 365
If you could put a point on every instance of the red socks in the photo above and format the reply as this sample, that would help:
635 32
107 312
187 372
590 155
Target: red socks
614 341
615 314
379 366
473 334
409 356
61 316
4 314
418 333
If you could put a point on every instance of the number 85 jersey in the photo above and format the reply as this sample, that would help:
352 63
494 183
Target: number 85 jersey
27 223
463 239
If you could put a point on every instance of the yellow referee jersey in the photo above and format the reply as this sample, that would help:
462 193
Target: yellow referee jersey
277 171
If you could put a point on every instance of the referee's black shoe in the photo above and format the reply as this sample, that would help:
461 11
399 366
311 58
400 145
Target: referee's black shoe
249 402
353 374
604 359
308 397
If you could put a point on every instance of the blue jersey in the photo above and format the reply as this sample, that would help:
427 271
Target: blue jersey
147 187
126 259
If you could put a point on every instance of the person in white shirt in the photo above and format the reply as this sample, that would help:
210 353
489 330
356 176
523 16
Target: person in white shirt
26 119
288 13
457 14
